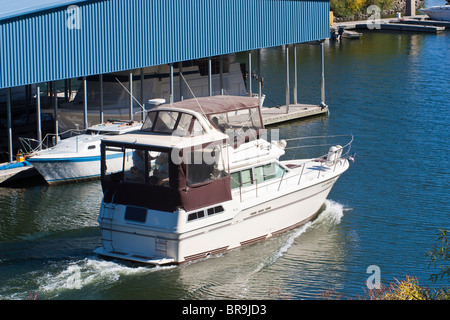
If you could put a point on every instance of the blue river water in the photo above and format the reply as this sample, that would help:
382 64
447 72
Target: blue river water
390 90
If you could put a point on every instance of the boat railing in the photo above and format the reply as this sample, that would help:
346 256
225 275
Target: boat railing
324 164
30 145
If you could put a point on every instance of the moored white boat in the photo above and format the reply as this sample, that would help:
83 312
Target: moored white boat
439 13
202 180
78 157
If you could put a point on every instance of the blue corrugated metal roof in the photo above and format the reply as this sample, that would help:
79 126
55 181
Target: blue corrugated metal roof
11 9
116 35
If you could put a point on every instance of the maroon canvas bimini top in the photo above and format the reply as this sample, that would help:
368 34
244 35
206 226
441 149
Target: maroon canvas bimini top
217 104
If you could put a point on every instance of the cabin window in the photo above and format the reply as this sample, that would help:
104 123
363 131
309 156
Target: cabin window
273 170
141 166
235 180
215 210
261 173
205 164
196 215
246 177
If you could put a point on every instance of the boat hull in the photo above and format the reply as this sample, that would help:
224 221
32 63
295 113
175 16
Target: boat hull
438 13
71 169
252 224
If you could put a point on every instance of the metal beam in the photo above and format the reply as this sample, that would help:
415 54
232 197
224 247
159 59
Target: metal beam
38 116
287 78
295 75
102 119
85 115
131 94
249 74
221 75
322 82
142 93
8 110
55 110
180 71
209 77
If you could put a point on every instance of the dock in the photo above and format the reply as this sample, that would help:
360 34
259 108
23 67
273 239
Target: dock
10 172
275 115
418 23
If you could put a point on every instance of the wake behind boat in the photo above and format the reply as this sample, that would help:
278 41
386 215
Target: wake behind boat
199 179
78 158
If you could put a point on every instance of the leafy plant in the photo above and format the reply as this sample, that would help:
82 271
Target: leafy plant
440 254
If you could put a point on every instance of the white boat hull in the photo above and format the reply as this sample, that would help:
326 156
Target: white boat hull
76 168
438 13
166 238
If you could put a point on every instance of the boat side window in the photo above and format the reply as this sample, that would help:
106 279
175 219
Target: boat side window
196 215
197 128
149 121
235 180
246 177
183 125
269 171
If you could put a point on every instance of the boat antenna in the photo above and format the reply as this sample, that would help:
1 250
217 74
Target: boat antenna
192 93
142 107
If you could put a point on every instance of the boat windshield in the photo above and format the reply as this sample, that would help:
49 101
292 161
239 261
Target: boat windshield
172 122
235 120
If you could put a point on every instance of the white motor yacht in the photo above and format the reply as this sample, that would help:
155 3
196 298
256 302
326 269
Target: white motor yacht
199 179
78 157
439 13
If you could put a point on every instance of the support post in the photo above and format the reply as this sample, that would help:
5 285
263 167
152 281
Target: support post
55 110
249 74
259 78
171 84
221 75
102 119
209 77
410 8
287 79
180 72
322 82
85 115
131 94
142 94
38 116
8 110
295 75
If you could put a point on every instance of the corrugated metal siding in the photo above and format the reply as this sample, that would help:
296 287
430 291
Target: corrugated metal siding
120 35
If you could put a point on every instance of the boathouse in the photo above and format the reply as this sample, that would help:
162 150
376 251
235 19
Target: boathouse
46 45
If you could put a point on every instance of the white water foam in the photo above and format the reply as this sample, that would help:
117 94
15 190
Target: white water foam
89 271
330 216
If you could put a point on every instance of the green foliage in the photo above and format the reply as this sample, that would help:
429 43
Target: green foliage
440 254
348 8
